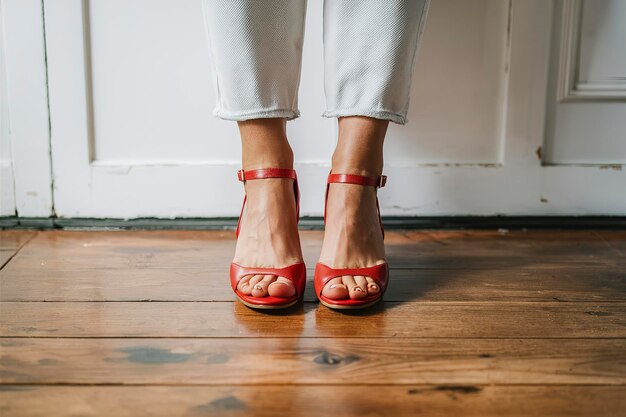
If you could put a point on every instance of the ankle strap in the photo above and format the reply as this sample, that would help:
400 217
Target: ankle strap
377 181
257 174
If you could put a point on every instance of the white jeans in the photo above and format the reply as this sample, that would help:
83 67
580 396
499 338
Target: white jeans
370 48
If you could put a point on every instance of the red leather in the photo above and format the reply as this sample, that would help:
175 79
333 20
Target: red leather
296 273
379 273
324 273
255 174
377 181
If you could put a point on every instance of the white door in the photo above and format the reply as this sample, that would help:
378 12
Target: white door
518 107
25 174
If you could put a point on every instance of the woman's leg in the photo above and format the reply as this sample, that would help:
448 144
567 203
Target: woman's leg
269 231
369 50
353 238
256 51
256 55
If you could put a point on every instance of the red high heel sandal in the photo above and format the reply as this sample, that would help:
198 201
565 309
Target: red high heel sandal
379 273
295 273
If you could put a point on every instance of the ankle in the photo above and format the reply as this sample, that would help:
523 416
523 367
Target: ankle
360 146
350 165
346 161
279 158
264 144
352 170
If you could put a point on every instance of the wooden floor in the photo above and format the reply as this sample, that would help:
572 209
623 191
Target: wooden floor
480 323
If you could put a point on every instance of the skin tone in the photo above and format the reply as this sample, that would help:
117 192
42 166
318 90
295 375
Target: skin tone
269 233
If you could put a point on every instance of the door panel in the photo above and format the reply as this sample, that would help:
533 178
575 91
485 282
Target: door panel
586 113
602 46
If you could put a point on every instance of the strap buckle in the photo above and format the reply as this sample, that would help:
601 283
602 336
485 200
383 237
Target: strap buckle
382 181
240 175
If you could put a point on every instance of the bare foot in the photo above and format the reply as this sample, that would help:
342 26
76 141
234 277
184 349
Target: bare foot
353 239
268 236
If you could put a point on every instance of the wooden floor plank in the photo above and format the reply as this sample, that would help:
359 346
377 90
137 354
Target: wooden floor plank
288 401
14 239
314 401
426 266
226 361
535 237
94 251
187 284
232 319
5 256
10 243
474 323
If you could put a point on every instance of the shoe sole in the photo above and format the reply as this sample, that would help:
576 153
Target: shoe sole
268 306
346 307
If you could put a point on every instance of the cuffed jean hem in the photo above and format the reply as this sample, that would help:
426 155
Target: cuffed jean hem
376 114
258 114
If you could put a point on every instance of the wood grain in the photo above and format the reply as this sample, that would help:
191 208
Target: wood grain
410 285
217 319
426 266
10 243
14 239
478 323
314 401
89 251
5 256
334 361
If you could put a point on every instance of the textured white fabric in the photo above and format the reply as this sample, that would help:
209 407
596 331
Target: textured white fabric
370 47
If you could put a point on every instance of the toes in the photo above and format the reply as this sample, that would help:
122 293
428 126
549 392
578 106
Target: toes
260 288
282 288
335 289
255 280
361 282
372 287
244 285
355 290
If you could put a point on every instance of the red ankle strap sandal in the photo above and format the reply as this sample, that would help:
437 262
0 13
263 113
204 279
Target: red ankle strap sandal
295 273
379 273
